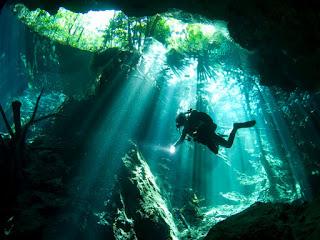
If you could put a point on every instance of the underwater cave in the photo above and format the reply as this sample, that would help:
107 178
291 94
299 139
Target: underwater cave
90 142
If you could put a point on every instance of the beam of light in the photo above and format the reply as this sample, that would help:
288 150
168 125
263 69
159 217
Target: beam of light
262 159
110 140
245 159
293 156
123 116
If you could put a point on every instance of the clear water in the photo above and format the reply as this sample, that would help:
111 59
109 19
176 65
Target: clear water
265 163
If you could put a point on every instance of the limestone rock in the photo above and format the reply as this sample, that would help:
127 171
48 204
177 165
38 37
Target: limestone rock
271 221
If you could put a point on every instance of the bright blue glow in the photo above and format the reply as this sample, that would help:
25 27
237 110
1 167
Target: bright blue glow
172 149
123 118
241 174
263 164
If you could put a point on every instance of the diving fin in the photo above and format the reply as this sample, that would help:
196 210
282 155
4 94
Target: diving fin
244 124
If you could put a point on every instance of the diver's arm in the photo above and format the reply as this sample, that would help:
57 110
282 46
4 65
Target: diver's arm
182 137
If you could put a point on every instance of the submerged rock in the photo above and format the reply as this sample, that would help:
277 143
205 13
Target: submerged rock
271 221
138 210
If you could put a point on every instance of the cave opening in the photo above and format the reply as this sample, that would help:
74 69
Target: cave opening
115 81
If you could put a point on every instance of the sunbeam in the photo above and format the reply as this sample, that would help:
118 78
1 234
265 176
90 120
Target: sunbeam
150 127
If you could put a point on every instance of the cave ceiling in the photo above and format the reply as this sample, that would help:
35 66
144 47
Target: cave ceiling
284 34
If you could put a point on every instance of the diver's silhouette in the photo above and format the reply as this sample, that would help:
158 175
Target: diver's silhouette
200 127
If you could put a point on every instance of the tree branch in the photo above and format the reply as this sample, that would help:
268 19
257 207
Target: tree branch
45 117
30 122
6 122
35 108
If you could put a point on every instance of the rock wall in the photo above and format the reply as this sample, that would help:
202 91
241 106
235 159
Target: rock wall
271 221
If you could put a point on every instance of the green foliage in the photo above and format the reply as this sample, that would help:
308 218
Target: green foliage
65 27
162 31
197 41
119 30
116 34
74 29
130 32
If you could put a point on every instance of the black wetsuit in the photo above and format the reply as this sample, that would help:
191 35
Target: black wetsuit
201 128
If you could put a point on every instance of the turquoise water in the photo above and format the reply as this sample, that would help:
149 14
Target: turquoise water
104 112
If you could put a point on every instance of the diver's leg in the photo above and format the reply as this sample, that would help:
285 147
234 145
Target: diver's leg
213 147
231 137
228 143
206 136
225 143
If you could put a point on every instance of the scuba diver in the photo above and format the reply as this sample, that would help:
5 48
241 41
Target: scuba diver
200 127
